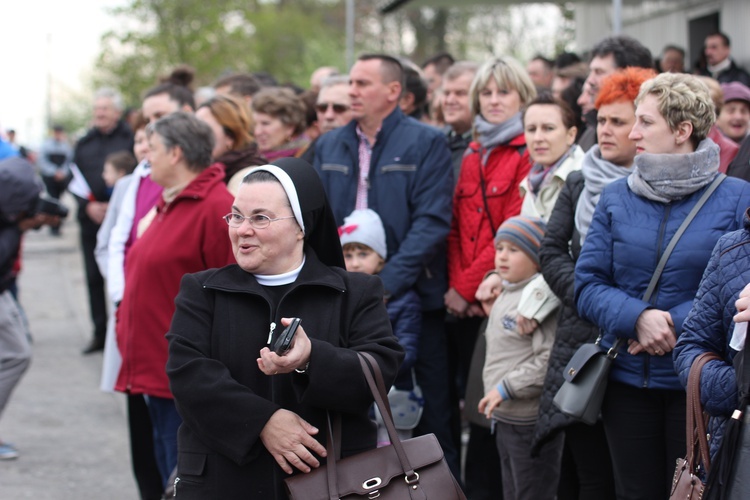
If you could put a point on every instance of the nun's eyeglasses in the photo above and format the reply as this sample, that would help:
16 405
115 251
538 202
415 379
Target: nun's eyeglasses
258 221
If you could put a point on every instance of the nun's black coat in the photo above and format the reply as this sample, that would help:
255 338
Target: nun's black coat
220 325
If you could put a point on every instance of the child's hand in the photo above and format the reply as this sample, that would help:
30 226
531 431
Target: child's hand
488 403
525 326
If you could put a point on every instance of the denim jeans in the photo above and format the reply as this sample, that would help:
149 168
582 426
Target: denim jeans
165 421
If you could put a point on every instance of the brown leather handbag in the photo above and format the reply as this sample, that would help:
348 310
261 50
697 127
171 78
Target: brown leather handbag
409 470
687 484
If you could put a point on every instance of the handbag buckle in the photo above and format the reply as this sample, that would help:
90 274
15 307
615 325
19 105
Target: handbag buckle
412 481
372 483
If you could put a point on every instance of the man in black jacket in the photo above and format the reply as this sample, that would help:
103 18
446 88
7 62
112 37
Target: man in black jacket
108 135
719 63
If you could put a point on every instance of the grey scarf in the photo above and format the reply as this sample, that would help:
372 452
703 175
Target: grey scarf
670 177
490 135
598 173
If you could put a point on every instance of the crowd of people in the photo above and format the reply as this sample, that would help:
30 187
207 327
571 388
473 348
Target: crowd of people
511 214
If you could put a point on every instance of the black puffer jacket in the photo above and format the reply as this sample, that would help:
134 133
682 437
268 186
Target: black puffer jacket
559 253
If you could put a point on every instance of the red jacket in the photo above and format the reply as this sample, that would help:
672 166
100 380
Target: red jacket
185 236
471 249
728 149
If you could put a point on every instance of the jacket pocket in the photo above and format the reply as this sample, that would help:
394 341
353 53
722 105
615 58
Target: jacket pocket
335 167
191 467
398 168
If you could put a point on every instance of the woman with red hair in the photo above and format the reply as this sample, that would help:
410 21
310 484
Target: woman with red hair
587 469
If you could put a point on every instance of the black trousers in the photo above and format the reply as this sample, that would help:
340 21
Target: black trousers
94 279
432 376
482 471
646 433
142 456
586 472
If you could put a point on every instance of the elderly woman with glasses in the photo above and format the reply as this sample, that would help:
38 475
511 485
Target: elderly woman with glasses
184 235
251 416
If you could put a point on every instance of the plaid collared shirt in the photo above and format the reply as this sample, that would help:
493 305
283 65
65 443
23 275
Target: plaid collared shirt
365 156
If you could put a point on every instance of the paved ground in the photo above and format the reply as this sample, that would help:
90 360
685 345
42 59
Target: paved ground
72 437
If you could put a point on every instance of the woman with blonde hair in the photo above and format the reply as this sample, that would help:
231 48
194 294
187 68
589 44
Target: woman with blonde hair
637 217
234 148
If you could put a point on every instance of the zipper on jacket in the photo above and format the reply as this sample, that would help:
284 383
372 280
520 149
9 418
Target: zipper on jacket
174 489
270 333
659 242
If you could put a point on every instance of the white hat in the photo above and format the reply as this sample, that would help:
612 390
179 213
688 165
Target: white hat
365 227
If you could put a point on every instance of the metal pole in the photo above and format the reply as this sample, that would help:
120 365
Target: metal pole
617 16
349 34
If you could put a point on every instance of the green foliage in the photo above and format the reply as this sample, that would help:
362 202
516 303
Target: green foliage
288 39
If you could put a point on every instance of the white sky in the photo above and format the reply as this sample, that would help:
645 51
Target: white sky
45 40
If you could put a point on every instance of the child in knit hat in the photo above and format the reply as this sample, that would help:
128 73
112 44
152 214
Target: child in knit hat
515 367
364 245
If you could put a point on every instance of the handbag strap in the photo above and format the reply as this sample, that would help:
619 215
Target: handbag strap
696 439
677 235
484 198
377 387
673 242
376 384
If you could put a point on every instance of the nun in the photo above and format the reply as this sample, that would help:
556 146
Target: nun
252 417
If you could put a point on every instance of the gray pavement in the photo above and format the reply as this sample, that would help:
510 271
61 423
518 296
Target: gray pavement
72 437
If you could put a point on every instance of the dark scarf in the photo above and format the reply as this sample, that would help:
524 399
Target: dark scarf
236 160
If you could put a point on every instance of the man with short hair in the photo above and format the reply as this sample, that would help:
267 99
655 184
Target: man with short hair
719 63
401 169
541 72
433 69
609 55
320 75
333 108
333 104
109 134
672 59
241 85
457 110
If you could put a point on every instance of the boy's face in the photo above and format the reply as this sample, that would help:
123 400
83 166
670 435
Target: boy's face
110 174
363 260
512 263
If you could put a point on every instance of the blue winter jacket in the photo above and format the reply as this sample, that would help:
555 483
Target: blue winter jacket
709 326
410 187
405 313
628 235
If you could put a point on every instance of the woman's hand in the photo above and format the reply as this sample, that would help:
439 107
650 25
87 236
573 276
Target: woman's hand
289 439
655 331
743 306
455 304
297 357
491 401
488 291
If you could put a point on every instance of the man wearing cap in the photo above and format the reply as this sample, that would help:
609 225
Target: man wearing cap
734 118
719 63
